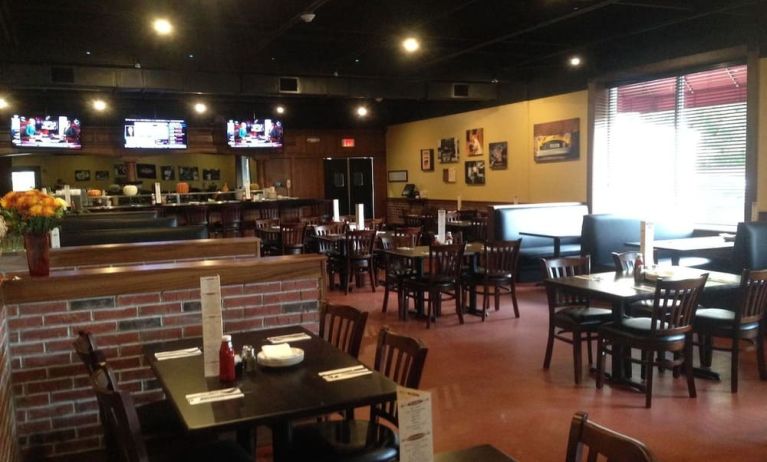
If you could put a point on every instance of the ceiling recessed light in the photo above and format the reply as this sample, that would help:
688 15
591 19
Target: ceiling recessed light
88 52
200 108
190 55
162 26
99 105
362 111
575 61
3 103
280 109
356 60
411 44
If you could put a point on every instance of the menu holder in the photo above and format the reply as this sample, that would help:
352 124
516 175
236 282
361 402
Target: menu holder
360 216
441 218
646 238
336 212
212 323
157 193
415 425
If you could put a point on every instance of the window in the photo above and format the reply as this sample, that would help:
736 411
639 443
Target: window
24 180
674 148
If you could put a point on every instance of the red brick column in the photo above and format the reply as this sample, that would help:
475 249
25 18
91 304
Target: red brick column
9 448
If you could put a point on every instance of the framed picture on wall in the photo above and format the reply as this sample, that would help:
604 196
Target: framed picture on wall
120 170
448 150
147 171
474 141
427 160
448 175
397 176
557 141
168 172
499 153
188 173
475 172
211 174
102 174
82 175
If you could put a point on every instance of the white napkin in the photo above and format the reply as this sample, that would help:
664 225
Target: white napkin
279 351
297 337
186 352
344 373
214 395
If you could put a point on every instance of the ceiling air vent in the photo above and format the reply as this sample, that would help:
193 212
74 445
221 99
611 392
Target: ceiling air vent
460 90
62 75
289 85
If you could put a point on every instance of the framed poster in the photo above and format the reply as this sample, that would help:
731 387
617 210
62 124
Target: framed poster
120 170
448 175
499 153
188 173
475 172
82 175
102 174
427 160
211 174
168 172
397 176
557 141
474 141
448 150
148 171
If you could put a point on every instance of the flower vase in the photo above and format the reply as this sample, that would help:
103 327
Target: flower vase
38 253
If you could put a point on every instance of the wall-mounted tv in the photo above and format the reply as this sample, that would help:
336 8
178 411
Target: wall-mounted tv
255 133
45 131
154 134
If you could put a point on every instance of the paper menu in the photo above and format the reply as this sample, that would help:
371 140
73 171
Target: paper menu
336 213
157 193
212 322
441 218
360 216
646 238
415 425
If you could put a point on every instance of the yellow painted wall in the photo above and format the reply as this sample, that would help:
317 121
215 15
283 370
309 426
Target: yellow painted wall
761 189
524 179
54 167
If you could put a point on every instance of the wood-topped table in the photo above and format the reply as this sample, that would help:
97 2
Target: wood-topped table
273 396
678 248
557 235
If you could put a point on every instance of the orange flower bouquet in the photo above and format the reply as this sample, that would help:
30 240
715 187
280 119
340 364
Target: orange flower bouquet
32 214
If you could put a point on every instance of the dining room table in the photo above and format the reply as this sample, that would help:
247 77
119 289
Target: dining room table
621 290
690 246
273 396
557 235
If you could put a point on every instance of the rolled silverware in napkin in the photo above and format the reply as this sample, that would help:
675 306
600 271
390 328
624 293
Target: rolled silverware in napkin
289 338
346 375
214 395
183 353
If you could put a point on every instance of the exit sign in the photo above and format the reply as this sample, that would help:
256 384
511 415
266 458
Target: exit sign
347 142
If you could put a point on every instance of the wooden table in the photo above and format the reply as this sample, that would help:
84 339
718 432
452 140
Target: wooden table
621 291
555 235
483 453
678 248
273 396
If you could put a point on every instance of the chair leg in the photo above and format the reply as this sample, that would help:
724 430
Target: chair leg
734 365
688 367
429 309
497 296
588 347
513 290
459 303
577 356
760 355
649 370
485 302
371 272
549 346
386 297
600 361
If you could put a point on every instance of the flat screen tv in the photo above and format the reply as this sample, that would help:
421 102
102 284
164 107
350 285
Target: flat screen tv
255 133
45 131
155 134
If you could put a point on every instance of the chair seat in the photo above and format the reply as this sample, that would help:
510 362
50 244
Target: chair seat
720 318
425 281
581 314
636 328
344 440
481 274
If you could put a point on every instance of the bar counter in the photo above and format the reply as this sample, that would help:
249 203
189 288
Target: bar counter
126 307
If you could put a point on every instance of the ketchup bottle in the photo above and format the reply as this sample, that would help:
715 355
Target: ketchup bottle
638 269
226 360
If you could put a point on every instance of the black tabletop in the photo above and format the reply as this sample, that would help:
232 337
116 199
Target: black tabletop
484 453
271 394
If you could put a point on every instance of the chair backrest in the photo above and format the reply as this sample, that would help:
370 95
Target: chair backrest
85 348
401 359
230 214
119 418
469 214
359 243
624 261
292 236
588 441
675 304
343 327
478 229
374 223
554 268
501 257
445 261
753 296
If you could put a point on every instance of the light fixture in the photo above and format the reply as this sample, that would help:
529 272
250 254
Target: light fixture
411 44
99 105
162 26
279 109
200 108
575 61
88 52
362 111
190 55
3 103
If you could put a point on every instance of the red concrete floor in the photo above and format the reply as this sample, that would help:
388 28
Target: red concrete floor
488 386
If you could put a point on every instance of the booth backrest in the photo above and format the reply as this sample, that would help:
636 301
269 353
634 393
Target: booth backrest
605 233
750 248
506 221
117 236
76 224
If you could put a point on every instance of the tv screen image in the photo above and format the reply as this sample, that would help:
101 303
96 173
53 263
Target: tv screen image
155 134
45 131
257 133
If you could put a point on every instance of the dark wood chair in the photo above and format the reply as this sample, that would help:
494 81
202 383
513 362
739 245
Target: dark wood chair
496 271
569 313
227 220
467 214
121 421
343 327
745 323
669 329
292 239
357 258
478 230
443 278
396 269
624 261
399 358
588 441
196 215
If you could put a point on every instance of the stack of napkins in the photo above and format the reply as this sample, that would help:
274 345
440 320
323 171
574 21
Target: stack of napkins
214 395
298 336
186 352
277 352
345 373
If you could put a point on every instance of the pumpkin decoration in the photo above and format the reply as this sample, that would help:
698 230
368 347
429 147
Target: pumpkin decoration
94 192
182 187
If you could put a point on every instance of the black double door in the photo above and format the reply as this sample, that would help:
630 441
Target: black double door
351 182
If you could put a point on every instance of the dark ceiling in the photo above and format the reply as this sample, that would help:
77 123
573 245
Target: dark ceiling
520 47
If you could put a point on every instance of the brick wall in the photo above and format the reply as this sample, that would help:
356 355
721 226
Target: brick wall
56 411
8 445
